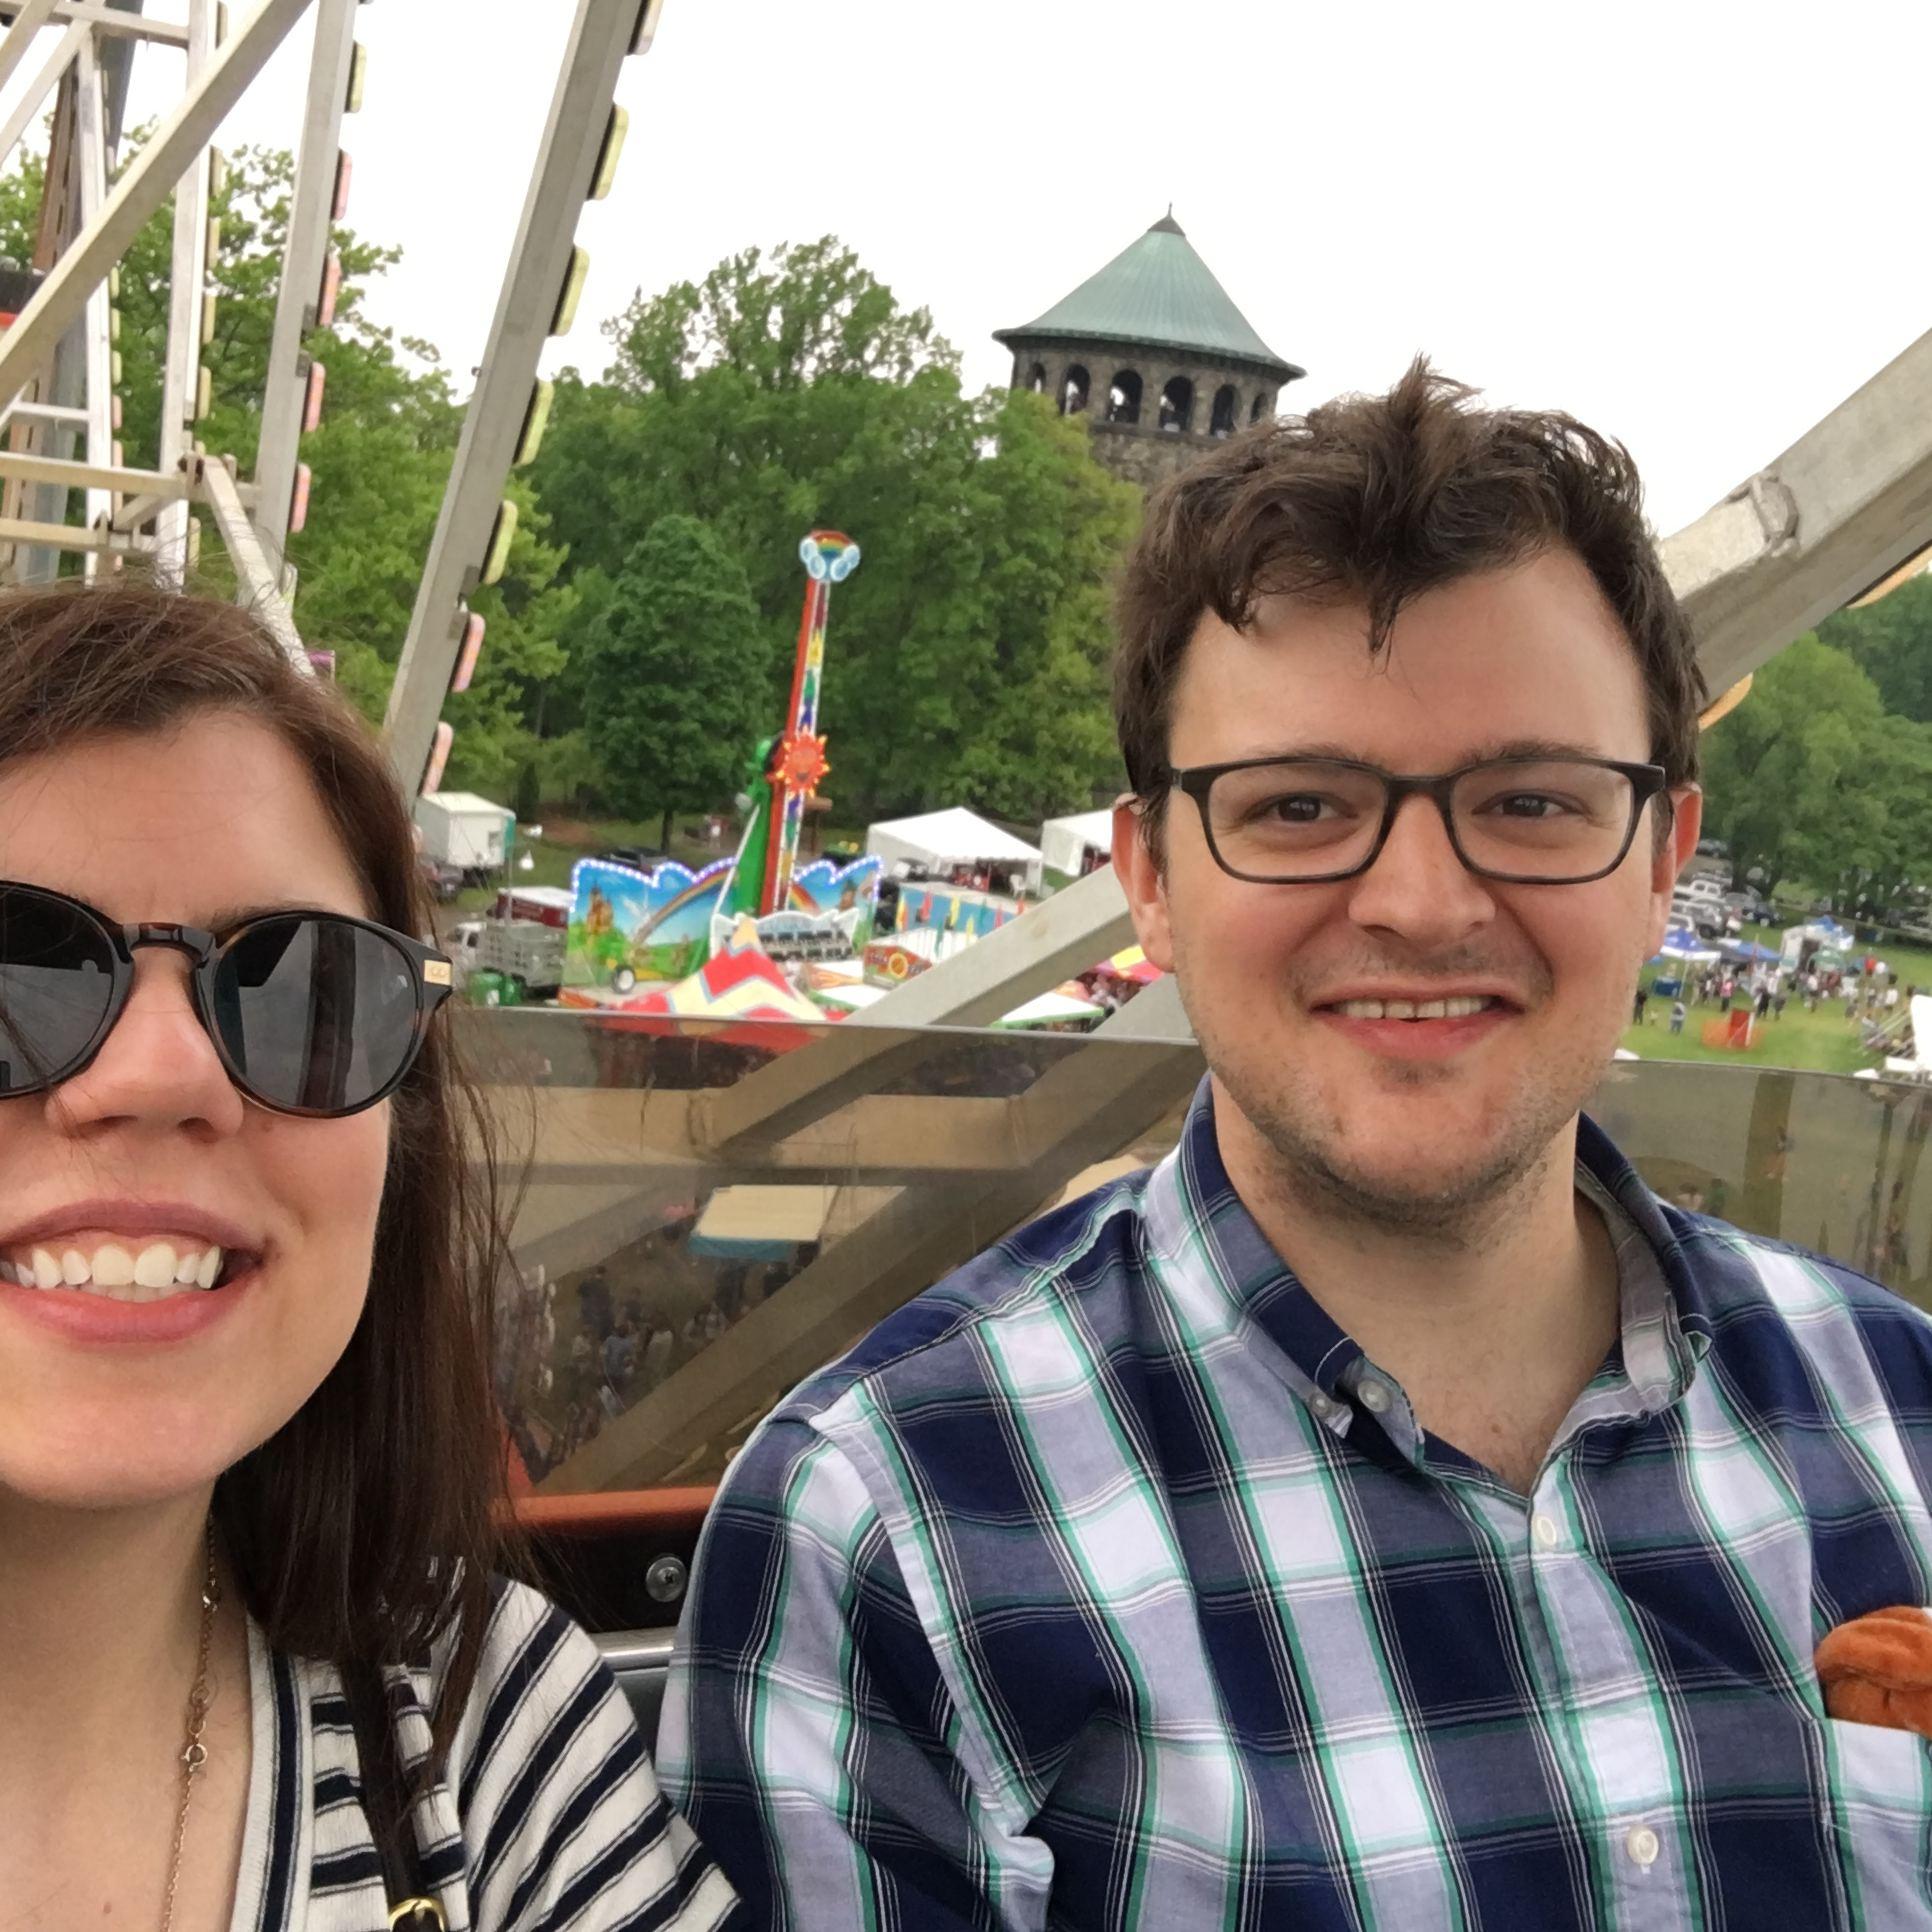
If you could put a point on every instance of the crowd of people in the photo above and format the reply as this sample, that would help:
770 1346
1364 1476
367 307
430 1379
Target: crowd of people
1872 998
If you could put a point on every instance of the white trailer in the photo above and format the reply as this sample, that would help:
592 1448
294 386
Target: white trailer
463 830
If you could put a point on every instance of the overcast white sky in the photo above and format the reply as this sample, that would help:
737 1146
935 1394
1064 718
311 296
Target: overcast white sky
1696 225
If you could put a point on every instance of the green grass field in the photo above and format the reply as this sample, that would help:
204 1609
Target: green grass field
1820 1042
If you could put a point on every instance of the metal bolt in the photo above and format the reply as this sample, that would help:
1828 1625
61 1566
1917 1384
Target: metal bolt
664 1580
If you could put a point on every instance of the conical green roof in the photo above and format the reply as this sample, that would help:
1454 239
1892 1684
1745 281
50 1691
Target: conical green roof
1156 291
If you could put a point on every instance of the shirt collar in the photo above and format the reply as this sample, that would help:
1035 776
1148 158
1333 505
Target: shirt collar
1194 1211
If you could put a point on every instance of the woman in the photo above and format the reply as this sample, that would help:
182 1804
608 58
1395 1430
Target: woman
250 1472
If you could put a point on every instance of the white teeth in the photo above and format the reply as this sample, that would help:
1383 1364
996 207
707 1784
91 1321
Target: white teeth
1459 1008
113 1266
154 1265
159 1269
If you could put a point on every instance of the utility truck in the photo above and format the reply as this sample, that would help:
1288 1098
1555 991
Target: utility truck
516 951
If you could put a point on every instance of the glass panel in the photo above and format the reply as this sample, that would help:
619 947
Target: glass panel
749 1199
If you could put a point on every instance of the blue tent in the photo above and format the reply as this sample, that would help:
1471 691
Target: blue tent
1747 953
1681 943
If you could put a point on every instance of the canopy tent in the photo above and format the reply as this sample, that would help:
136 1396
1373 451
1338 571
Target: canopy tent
760 1223
1746 953
1050 1009
849 996
941 840
1684 946
1066 842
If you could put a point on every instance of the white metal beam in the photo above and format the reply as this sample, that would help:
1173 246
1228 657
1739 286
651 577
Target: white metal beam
91 161
114 20
91 476
1847 503
601 35
43 412
67 536
260 585
34 100
187 291
173 149
27 22
304 254
139 510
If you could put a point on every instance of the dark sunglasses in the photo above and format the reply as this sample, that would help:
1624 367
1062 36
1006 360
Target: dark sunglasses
312 1013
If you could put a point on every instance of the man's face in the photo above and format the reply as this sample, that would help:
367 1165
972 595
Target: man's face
1407 1123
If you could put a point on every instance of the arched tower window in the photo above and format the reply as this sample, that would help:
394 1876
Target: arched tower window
1073 392
1260 408
1177 404
1036 379
1226 404
1123 399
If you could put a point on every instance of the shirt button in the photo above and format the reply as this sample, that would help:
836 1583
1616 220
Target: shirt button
1323 1408
1642 1846
1544 1529
1375 1397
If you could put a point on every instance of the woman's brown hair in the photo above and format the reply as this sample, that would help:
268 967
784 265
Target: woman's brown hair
370 1523
1380 498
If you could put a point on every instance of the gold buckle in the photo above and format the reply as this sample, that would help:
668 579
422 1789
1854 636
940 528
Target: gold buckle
413 1908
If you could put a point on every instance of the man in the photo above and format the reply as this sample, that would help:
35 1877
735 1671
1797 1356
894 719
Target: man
1385 1512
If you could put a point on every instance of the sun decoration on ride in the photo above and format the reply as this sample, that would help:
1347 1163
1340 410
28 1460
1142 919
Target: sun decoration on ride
800 765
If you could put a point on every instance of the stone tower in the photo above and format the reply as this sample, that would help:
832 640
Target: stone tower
1154 353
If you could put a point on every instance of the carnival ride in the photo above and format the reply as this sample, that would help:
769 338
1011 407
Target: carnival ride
631 924
925 1163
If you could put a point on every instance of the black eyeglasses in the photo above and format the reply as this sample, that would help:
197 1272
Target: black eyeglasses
1526 821
312 1013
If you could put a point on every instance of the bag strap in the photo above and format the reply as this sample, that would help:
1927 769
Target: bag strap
385 1801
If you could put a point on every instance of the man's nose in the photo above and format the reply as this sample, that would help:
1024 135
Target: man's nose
1418 887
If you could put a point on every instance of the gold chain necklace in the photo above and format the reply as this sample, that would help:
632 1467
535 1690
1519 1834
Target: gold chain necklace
194 1754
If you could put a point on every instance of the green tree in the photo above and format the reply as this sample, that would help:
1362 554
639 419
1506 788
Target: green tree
1891 641
678 661
789 391
1788 775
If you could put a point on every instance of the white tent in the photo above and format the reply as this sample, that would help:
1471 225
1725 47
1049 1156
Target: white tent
1065 842
941 840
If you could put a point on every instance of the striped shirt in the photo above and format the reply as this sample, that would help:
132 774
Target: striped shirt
549 1820
1108 1584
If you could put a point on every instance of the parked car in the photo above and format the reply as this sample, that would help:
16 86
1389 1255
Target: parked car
445 881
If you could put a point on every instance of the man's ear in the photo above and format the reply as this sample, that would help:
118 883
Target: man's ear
1142 881
1669 859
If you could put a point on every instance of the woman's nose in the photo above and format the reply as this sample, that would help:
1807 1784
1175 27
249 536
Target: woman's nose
157 1065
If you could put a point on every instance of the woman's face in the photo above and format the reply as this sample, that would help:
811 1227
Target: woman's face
107 1401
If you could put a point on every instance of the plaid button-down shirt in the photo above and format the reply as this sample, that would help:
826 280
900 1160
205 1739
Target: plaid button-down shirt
1108 1584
